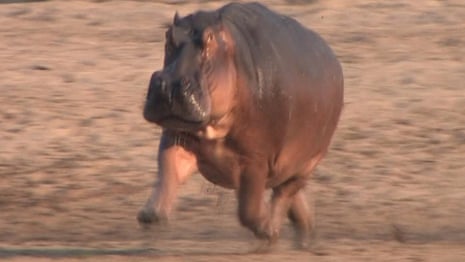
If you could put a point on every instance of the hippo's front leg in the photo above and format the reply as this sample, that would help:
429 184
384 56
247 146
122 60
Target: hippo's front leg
175 164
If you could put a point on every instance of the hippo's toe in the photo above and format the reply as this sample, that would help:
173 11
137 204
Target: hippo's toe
149 216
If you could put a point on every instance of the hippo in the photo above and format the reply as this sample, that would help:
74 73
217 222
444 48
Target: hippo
250 99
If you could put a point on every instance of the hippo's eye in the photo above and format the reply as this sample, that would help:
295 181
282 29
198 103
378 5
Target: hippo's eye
196 37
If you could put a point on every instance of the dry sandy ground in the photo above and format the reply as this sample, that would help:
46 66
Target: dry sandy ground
77 160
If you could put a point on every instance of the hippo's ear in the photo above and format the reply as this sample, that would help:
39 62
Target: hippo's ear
176 18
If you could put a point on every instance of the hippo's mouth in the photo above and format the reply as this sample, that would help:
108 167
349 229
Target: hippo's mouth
173 118
162 115
179 123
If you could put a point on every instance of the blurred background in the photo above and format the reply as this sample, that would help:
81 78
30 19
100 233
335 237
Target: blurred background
77 160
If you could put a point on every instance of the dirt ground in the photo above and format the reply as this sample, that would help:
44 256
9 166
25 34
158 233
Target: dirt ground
77 160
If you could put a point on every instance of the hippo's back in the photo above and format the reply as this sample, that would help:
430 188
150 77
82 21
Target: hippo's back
296 79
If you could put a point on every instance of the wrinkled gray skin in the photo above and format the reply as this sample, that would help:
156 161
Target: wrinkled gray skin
251 100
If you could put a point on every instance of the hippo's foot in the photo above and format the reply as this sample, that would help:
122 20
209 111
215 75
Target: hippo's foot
301 240
267 238
148 216
301 244
263 246
305 241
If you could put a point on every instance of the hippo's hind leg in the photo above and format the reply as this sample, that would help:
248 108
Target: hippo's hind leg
175 164
301 216
252 211
281 202
302 219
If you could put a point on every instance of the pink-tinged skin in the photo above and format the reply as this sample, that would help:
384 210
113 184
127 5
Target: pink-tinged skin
245 127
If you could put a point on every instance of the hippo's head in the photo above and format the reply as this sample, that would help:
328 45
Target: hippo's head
197 81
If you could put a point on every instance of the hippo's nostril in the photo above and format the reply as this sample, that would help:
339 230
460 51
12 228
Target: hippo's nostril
162 86
157 83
